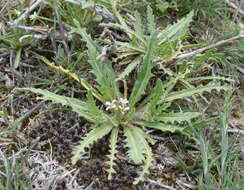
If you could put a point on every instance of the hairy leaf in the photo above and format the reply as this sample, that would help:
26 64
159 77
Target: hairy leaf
144 74
113 151
89 139
210 78
155 97
131 33
135 152
151 25
148 162
189 92
104 73
177 117
138 25
160 126
177 30
129 68
78 106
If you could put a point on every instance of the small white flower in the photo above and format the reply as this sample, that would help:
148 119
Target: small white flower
118 105
126 108
108 103
123 101
33 16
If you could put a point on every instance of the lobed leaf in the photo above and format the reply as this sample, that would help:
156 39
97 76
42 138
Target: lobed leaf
177 117
160 126
148 162
138 24
155 97
129 68
78 106
113 151
105 76
144 74
135 152
89 139
151 25
189 92
177 30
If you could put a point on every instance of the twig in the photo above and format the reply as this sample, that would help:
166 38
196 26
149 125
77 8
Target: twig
26 13
232 5
201 50
4 8
35 36
235 131
160 185
33 29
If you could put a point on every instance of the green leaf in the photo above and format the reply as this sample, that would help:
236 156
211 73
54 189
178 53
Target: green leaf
113 151
189 92
138 25
210 78
129 68
199 124
129 47
78 106
160 126
134 146
91 104
2 114
120 18
94 48
151 25
17 58
130 33
163 6
105 76
177 30
148 161
155 97
89 139
144 74
177 117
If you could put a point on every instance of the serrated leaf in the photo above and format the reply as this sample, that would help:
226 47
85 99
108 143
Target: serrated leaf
89 139
151 25
128 47
160 126
199 124
94 48
210 78
163 6
129 32
177 30
144 74
113 151
105 76
129 68
135 152
177 117
92 104
148 162
189 92
138 25
156 94
77 106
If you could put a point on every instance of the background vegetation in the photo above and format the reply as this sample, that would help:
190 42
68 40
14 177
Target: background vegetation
121 94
